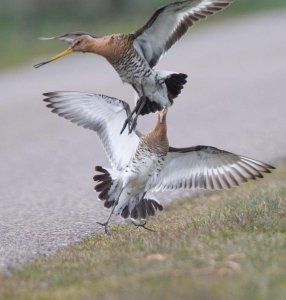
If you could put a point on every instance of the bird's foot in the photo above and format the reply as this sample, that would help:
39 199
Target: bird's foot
105 225
133 125
143 225
128 122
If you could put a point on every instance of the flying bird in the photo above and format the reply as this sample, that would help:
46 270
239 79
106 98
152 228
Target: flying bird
135 55
144 164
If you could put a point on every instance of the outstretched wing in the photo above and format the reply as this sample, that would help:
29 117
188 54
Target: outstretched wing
208 168
169 23
103 114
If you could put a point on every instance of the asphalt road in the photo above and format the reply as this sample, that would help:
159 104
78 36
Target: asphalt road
235 100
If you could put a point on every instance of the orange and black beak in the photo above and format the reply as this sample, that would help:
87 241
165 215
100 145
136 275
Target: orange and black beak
64 53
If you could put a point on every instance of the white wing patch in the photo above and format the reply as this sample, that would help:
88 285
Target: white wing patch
103 114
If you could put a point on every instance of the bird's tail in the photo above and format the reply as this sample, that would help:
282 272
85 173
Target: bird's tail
141 208
108 185
149 107
175 83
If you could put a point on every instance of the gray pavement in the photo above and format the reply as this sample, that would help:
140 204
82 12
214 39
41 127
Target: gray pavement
235 100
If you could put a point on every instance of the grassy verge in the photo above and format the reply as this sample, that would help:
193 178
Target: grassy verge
227 245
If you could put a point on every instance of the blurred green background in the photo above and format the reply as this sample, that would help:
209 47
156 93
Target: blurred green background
22 21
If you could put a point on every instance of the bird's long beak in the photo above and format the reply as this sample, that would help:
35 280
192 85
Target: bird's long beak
163 114
64 53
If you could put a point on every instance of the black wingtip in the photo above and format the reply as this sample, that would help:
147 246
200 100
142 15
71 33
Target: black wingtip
50 94
36 66
48 98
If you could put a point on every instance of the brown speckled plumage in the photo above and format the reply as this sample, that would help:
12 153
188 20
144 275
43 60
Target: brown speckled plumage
118 47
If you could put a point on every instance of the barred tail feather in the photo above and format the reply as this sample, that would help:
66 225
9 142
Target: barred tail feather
175 83
150 107
107 185
143 209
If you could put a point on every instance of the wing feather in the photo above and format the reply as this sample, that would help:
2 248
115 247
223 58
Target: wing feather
208 168
100 113
169 23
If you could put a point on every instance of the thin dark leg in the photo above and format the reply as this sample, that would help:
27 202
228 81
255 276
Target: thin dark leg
137 110
128 121
134 123
144 194
143 225
142 100
105 224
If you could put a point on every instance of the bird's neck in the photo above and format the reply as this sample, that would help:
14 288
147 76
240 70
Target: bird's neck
161 129
112 47
99 46
157 138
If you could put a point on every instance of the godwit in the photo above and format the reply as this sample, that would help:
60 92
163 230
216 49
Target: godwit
144 164
134 55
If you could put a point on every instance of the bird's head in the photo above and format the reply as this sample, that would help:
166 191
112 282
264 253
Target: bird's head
78 42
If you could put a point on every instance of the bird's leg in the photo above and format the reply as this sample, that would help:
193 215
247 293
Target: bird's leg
105 224
143 195
129 118
142 100
143 225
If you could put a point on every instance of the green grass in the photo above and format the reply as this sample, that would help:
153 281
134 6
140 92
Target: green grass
252 6
19 32
224 245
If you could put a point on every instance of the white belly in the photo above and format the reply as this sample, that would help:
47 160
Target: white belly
139 171
136 177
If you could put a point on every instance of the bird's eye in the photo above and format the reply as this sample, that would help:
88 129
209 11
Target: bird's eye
77 43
